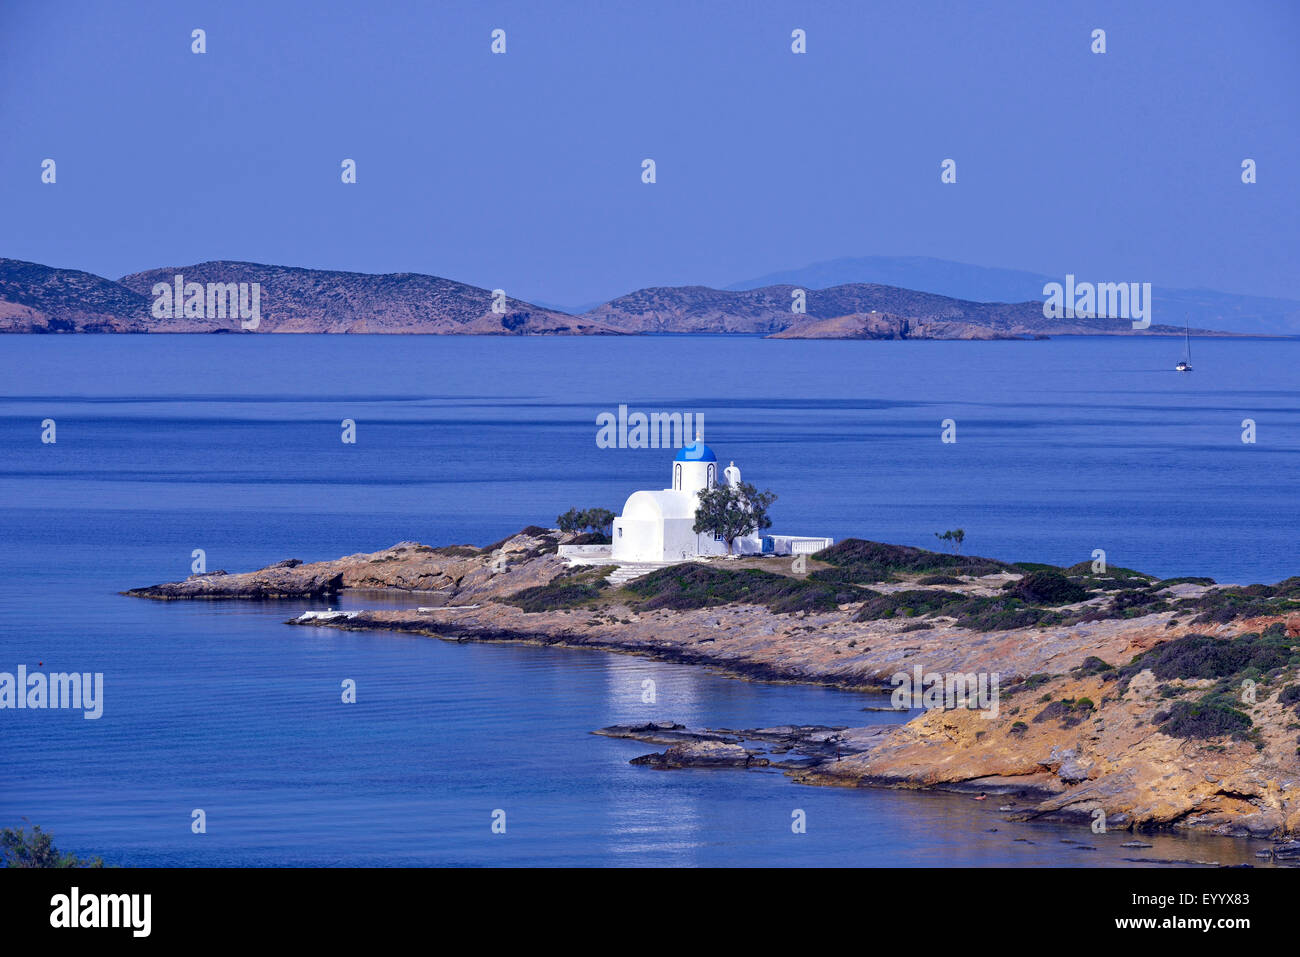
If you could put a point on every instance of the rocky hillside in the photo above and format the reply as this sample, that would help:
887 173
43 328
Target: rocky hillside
36 298
879 325
318 300
699 309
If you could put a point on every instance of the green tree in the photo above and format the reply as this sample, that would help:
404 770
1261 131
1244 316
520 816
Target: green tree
598 520
570 521
954 536
731 511
18 848
595 519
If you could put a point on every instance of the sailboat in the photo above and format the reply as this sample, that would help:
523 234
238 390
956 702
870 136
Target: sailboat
1186 364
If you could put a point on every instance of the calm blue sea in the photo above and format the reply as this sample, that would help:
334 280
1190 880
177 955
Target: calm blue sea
232 444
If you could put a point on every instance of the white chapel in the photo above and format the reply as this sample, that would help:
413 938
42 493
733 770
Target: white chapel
656 526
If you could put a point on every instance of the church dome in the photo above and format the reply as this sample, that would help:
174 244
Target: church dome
658 506
697 451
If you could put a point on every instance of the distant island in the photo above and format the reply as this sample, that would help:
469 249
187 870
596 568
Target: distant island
43 299
1143 702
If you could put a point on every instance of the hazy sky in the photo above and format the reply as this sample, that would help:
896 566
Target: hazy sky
523 170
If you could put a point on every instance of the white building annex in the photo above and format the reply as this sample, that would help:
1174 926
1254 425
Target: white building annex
656 526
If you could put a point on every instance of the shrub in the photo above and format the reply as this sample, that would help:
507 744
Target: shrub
1092 665
1249 601
1132 602
939 580
591 538
564 591
1112 573
854 553
1201 720
454 551
1068 711
547 544
693 585
1029 683
1202 656
18 848
976 612
909 604
1047 588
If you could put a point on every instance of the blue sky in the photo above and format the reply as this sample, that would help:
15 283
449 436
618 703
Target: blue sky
523 170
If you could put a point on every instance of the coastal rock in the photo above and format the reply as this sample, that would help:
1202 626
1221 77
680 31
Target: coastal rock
1286 851
273 582
458 574
704 754
663 732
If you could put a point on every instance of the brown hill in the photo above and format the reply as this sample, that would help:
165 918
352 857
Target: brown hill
319 300
36 298
879 325
696 309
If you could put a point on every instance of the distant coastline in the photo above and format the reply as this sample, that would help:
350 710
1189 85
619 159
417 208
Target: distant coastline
226 297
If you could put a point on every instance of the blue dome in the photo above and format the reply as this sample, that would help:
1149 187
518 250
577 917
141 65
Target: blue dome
695 452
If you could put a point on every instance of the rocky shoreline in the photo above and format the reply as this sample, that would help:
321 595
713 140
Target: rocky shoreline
1116 690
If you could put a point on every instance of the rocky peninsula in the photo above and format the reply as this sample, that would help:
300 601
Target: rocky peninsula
1147 703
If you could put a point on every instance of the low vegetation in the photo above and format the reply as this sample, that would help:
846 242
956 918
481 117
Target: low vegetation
1204 656
571 589
598 521
860 562
976 612
22 848
692 585
1046 588
1197 712
1068 711
1199 719
1248 601
1041 595
548 544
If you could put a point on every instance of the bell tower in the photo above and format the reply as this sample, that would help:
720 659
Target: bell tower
695 468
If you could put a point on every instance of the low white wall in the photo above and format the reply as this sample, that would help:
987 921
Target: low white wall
585 551
799 544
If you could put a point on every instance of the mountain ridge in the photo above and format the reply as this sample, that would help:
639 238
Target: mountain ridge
36 298
1230 312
